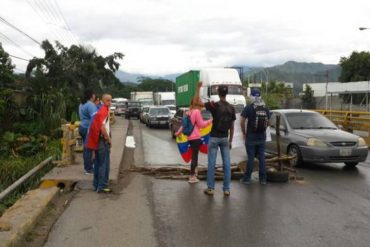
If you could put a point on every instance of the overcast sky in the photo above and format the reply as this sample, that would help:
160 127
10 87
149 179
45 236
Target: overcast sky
169 36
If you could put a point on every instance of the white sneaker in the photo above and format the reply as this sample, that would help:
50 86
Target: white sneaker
193 180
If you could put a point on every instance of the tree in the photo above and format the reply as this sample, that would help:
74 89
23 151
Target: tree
68 71
155 85
308 100
6 69
356 67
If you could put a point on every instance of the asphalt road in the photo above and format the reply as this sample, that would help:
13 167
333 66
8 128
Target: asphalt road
330 207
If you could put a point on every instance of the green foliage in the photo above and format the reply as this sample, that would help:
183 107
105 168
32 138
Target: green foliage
68 72
274 94
272 101
356 67
308 100
74 117
155 85
6 69
12 168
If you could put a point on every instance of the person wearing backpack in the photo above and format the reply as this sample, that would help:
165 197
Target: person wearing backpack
257 116
191 125
221 136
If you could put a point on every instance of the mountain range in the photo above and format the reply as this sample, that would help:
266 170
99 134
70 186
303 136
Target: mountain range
126 77
291 71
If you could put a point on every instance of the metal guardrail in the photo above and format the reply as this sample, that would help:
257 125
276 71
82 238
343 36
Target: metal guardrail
350 120
24 178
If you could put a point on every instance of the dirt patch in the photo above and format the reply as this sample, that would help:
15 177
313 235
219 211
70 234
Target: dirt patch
38 236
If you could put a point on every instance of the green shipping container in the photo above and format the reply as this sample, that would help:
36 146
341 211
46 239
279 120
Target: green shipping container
185 87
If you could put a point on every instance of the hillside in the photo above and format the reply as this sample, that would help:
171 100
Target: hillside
134 78
297 72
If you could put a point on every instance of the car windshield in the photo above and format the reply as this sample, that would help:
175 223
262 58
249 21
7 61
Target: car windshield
134 104
168 102
232 89
121 106
159 111
309 120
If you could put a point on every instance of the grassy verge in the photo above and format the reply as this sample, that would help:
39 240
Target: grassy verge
12 168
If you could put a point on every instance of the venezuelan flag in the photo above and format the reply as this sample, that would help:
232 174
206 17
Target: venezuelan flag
184 145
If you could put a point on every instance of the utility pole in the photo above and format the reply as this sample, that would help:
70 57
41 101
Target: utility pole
326 89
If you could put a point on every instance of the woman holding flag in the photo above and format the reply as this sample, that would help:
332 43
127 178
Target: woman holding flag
194 138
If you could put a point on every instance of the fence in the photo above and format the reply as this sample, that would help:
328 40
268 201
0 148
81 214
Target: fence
350 120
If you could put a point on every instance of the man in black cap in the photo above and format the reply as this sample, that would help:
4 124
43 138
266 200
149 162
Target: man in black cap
222 134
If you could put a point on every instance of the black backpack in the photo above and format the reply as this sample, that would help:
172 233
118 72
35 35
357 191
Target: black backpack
260 121
224 117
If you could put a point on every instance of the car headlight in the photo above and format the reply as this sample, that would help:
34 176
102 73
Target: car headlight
314 142
361 142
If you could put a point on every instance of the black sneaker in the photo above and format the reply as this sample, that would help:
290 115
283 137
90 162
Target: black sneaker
247 182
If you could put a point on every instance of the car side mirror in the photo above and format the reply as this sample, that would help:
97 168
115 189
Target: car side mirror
283 129
340 126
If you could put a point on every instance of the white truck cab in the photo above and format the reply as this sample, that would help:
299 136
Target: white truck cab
213 78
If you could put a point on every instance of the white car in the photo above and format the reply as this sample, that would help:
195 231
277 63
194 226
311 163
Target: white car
172 110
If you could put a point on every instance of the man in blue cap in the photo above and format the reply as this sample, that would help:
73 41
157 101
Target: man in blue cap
257 116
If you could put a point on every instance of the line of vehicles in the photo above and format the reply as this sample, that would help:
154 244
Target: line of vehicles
307 135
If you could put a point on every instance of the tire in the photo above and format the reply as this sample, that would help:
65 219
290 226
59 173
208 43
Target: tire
294 150
351 164
277 177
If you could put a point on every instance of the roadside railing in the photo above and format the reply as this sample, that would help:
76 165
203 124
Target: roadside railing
24 178
350 120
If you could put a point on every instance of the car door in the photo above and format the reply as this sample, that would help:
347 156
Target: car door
271 147
177 120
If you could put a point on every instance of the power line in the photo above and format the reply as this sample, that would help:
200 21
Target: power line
19 30
6 38
20 58
49 17
44 17
64 20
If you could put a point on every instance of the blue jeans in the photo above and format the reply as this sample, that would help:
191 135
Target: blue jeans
214 144
255 148
87 153
102 166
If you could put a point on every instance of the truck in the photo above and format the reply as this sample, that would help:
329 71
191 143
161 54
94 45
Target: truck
212 78
146 98
164 98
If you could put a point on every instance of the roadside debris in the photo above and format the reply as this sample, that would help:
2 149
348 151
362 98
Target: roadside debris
237 170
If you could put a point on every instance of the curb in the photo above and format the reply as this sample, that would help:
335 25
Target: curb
24 214
19 219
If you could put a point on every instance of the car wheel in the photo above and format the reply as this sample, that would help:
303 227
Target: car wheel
294 150
351 164
277 176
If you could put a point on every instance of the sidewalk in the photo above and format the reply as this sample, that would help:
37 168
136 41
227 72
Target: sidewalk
123 218
75 173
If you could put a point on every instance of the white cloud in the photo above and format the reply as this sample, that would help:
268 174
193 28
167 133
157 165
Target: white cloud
168 36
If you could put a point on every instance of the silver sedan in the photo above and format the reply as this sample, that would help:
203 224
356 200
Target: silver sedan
311 137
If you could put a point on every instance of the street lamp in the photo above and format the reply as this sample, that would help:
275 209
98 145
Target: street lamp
363 28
